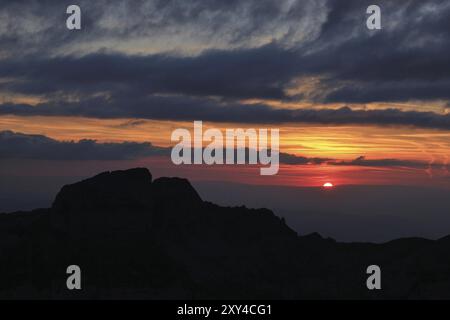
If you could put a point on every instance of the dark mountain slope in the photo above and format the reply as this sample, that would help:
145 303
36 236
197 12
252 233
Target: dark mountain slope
134 238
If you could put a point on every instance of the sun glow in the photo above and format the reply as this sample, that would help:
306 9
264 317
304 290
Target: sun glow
328 185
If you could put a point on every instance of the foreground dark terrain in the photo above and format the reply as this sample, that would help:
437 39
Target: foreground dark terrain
134 238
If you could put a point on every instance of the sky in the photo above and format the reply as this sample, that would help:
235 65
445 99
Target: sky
354 106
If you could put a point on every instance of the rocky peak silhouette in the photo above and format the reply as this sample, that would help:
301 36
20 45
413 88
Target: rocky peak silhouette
138 238
107 190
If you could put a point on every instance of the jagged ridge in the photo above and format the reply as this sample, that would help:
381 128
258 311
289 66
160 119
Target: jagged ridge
134 237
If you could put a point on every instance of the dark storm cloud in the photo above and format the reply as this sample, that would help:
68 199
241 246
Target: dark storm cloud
190 109
24 146
406 60
253 73
14 145
260 51
388 91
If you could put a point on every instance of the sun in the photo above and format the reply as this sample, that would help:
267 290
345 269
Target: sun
328 185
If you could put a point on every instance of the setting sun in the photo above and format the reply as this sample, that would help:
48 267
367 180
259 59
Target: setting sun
328 185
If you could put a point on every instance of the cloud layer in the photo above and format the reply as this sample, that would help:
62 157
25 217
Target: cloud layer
14 145
188 60
24 146
189 109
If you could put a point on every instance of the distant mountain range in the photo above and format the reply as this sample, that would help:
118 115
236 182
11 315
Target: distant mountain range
137 238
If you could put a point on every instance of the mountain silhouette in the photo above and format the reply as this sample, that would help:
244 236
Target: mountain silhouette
137 238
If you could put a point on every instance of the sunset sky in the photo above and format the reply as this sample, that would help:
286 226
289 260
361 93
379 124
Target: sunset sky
354 106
